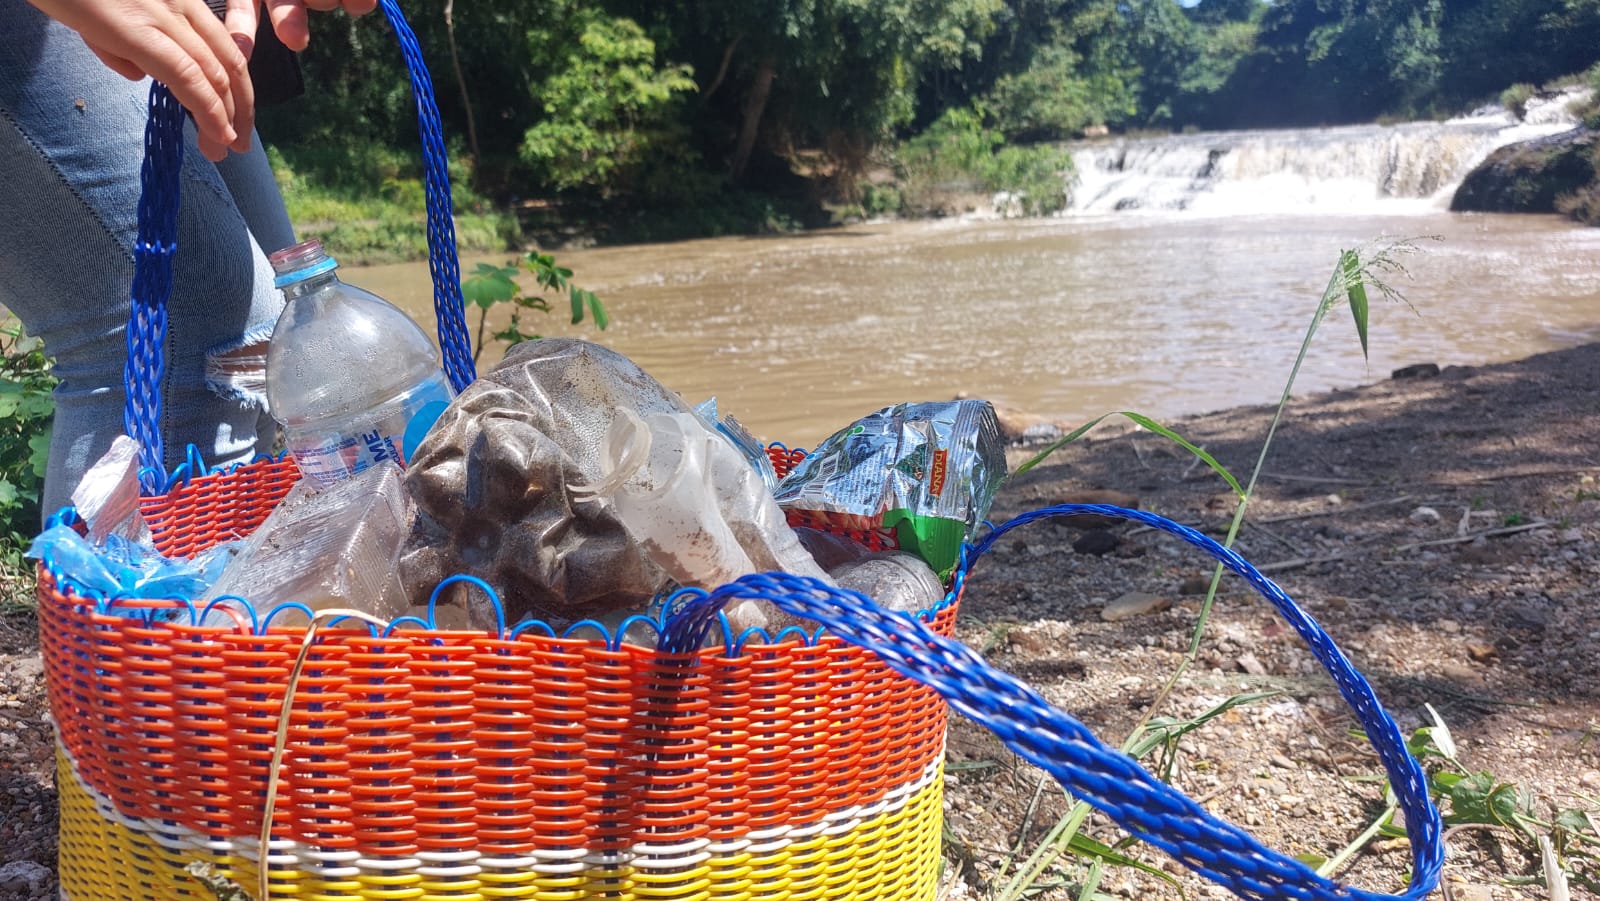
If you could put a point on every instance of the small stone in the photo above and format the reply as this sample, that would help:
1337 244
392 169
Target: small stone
1032 642
1590 778
1281 761
1249 663
1424 515
1096 542
1449 626
1334 500
1416 371
1480 653
23 875
1472 893
1291 800
1134 603
1568 536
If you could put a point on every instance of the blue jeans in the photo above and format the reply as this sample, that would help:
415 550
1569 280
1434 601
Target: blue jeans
71 147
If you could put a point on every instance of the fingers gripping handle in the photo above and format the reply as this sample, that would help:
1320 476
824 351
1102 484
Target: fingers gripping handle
157 241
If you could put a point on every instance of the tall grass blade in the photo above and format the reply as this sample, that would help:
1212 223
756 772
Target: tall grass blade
1144 422
1356 292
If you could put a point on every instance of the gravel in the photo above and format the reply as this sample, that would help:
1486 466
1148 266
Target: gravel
1443 530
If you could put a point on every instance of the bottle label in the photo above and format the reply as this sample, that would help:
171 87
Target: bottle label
329 455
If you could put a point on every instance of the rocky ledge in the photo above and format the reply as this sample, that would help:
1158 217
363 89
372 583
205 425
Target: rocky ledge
1529 176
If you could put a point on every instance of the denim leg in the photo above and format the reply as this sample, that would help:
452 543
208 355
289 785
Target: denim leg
71 147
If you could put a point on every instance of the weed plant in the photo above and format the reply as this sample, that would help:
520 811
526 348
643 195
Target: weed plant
26 410
1565 839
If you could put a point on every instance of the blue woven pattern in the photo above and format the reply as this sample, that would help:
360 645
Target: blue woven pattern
442 262
158 241
152 276
1111 781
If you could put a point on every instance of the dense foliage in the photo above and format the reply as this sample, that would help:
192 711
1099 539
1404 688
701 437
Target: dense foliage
26 409
627 105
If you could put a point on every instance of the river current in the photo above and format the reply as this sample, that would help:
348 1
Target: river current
1067 317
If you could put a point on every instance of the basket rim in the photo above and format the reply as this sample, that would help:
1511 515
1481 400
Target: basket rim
248 621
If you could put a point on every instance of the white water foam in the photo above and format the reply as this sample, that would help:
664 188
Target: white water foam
1412 167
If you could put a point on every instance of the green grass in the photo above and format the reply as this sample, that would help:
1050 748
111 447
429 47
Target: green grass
369 206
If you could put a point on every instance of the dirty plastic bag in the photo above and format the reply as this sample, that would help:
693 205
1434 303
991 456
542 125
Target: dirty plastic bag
129 569
491 484
701 512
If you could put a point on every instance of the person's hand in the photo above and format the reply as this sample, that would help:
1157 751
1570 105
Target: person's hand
183 44
289 17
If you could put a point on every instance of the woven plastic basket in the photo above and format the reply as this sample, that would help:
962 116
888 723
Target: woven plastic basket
342 760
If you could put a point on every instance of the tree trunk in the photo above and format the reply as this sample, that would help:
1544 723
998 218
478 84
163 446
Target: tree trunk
461 81
722 70
755 102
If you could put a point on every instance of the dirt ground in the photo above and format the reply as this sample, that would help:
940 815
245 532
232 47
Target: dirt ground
1444 530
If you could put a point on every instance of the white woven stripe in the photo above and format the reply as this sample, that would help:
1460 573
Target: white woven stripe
330 864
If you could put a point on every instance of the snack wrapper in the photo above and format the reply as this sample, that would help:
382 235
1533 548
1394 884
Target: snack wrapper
928 472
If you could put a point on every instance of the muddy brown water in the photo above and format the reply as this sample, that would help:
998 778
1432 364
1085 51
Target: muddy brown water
1067 318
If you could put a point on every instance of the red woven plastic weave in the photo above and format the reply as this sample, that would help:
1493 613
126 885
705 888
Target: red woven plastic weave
536 758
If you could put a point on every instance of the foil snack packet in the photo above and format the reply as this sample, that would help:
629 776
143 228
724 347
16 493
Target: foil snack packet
925 471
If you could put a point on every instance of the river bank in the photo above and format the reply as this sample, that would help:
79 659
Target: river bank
1445 531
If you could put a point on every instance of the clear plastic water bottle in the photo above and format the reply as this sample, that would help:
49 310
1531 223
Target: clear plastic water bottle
352 380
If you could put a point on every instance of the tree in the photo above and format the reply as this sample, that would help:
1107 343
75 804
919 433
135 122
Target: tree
834 75
608 108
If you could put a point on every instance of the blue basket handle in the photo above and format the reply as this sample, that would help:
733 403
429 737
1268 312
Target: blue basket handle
158 234
1092 771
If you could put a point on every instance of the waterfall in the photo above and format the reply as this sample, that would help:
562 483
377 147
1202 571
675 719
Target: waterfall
1413 166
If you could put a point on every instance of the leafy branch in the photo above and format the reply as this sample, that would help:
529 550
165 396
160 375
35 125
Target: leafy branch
489 286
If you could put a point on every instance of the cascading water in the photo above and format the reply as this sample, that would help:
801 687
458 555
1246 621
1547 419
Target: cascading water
1360 169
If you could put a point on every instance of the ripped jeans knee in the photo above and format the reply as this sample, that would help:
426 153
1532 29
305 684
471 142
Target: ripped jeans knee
238 371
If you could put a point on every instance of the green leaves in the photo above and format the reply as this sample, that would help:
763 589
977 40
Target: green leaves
27 407
1145 422
489 286
609 108
1356 291
1479 798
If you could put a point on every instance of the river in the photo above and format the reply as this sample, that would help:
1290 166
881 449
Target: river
1067 317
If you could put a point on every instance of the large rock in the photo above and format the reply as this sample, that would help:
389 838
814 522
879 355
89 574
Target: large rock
1528 177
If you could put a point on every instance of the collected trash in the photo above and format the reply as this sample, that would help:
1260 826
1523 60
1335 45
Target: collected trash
926 471
492 488
333 547
701 512
124 568
107 497
351 378
113 555
746 443
567 479
896 580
